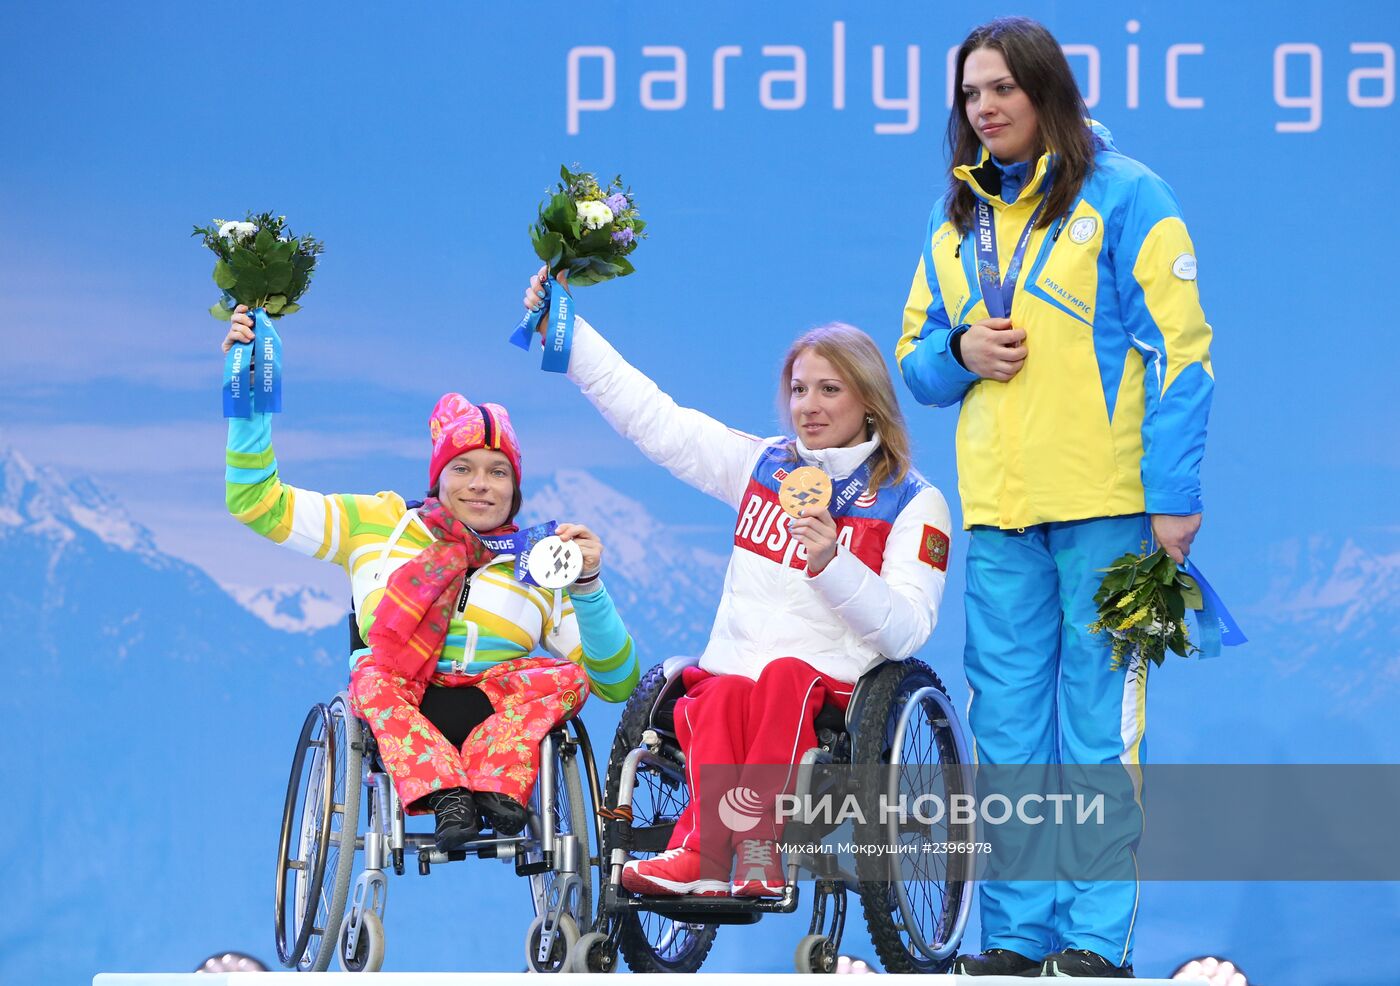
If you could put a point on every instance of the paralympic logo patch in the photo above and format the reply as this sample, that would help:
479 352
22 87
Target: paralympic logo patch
740 809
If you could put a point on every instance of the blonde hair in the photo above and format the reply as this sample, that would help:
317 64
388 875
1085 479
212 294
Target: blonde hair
863 368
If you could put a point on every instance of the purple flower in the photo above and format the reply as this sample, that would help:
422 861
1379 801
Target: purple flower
617 202
623 236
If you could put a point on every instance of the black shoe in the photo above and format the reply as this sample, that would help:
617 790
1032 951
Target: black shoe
456 818
1082 962
506 815
996 962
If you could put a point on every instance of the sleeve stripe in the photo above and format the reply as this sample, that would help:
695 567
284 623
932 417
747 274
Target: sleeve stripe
250 460
248 477
626 665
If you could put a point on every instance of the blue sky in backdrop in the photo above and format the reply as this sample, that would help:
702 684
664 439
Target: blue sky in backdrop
417 140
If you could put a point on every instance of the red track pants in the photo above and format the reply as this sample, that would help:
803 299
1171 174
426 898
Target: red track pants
731 719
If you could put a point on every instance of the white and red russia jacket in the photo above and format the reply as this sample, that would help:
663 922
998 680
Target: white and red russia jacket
878 598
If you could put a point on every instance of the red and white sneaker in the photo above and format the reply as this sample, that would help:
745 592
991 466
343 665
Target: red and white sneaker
760 870
674 873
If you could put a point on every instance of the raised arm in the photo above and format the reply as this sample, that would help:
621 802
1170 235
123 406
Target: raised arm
315 524
691 445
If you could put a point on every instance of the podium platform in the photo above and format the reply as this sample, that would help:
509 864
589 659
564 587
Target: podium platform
520 978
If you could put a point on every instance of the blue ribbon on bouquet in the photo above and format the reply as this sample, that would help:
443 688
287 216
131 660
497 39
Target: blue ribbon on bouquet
1216 627
238 396
262 391
519 544
267 380
559 337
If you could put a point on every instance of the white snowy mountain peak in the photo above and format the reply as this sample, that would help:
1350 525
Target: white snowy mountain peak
39 500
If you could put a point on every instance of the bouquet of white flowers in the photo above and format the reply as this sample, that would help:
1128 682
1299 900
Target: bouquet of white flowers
587 231
261 265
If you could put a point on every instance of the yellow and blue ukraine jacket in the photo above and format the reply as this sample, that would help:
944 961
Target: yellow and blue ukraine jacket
1107 415
372 535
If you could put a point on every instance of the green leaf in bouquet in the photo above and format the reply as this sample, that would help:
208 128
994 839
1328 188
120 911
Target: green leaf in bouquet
218 310
624 266
549 247
595 242
251 287
637 226
276 304
561 215
264 240
279 276
1163 567
290 307
281 252
1176 606
242 259
224 276
1191 593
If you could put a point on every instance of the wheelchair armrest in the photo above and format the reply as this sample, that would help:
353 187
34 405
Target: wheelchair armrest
673 666
669 692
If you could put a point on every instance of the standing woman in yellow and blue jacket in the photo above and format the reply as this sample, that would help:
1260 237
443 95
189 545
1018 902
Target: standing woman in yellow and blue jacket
1056 301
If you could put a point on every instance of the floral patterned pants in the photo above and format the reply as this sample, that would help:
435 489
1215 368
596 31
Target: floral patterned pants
530 697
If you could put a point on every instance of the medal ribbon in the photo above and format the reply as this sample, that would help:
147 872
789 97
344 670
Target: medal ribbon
850 491
267 384
254 384
238 396
997 291
559 337
1216 626
519 544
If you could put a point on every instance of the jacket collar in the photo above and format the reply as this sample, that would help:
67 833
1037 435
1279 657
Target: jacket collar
838 463
985 178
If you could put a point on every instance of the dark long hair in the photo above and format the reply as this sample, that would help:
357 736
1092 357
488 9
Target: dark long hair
1040 68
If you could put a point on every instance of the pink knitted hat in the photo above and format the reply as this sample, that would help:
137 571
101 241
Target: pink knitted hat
457 425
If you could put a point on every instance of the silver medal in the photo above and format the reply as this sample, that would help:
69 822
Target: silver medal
554 564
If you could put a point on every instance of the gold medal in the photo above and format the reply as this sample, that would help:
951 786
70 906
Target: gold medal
805 491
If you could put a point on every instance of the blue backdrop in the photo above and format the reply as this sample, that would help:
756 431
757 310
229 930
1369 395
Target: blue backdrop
159 658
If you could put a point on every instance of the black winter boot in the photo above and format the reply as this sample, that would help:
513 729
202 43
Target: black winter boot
456 818
506 815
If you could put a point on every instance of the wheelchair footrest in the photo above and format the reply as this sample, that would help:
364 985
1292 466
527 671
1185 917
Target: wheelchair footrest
708 910
543 865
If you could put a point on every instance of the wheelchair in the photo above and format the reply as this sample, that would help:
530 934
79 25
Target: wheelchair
341 803
900 725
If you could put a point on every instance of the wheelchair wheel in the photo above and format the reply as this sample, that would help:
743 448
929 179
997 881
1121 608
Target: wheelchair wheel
915 902
651 942
369 948
316 850
571 817
565 937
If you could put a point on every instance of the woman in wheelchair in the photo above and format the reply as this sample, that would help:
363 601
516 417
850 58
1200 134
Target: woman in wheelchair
809 604
438 607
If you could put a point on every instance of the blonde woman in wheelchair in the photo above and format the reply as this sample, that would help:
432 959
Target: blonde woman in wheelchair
810 604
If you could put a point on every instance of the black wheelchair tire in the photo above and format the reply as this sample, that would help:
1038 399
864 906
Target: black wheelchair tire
343 749
884 699
635 944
